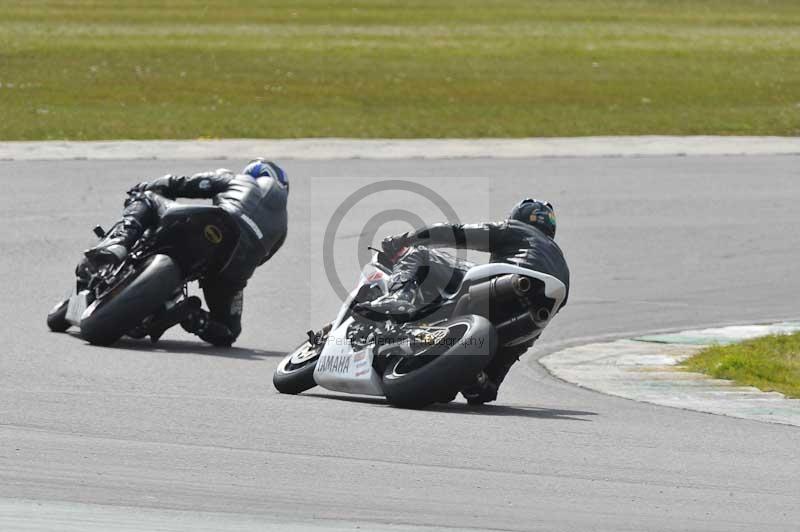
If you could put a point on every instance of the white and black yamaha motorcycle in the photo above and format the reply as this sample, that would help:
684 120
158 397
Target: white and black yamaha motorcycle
418 360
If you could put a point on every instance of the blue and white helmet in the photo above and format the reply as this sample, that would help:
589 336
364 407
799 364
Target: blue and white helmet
263 168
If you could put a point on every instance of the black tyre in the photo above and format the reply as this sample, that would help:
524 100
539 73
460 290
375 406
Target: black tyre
141 295
295 373
57 318
437 373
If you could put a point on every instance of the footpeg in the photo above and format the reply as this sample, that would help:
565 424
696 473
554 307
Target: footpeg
313 338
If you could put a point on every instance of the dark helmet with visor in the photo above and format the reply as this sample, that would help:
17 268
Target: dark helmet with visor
537 213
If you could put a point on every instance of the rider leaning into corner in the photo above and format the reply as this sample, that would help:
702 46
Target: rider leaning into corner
257 200
525 239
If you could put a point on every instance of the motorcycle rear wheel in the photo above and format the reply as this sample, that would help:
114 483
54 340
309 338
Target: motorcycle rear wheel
107 319
438 373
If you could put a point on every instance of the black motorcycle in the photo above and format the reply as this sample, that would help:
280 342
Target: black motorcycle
146 293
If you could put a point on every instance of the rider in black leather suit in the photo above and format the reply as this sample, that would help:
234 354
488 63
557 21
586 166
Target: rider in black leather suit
525 239
257 200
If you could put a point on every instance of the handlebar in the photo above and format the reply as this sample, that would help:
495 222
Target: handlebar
389 260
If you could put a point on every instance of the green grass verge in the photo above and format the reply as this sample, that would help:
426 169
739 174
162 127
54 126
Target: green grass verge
771 363
90 69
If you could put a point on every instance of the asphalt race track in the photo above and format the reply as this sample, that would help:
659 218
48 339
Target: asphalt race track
188 437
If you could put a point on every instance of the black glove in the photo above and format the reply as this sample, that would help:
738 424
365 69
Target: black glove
393 245
139 188
156 185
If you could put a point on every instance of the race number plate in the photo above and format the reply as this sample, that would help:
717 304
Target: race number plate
76 307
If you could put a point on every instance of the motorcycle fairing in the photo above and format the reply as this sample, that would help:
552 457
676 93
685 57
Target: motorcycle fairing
372 274
343 369
78 302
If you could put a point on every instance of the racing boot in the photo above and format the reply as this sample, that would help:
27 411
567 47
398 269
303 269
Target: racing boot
487 383
115 246
196 320
401 300
169 318
215 333
483 390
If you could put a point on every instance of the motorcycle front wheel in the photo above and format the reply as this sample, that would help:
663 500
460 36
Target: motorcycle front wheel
57 317
295 373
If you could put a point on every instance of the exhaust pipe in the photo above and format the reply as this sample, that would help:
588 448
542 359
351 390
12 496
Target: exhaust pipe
542 315
511 285
489 299
506 288
484 297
